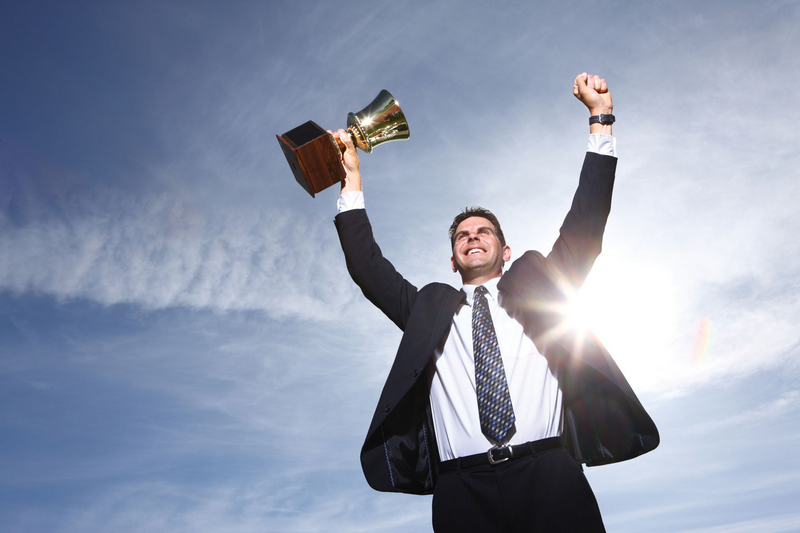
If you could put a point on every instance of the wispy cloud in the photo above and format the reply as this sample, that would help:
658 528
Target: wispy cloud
164 251
786 402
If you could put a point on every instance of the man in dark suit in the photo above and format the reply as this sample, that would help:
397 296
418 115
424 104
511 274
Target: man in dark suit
491 403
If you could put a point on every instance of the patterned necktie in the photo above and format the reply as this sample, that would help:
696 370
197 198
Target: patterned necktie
494 402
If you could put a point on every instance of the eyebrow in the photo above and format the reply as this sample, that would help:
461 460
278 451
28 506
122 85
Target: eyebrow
481 228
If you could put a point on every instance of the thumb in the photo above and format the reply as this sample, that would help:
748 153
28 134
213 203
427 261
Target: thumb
347 140
580 84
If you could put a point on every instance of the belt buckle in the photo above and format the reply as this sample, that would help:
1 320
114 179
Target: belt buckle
493 461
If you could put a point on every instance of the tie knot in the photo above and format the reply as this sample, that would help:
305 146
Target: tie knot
480 304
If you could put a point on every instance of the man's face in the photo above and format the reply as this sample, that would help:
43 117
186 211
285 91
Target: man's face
477 252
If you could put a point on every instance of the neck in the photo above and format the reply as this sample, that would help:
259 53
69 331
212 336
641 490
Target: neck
479 280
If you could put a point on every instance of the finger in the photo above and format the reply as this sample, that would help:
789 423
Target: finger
603 86
579 85
346 139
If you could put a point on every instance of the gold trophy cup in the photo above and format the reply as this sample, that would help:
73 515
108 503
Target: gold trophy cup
315 155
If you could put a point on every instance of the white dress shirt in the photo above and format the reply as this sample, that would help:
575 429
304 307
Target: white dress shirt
535 393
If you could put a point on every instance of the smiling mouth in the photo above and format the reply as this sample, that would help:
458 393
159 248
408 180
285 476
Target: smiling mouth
476 251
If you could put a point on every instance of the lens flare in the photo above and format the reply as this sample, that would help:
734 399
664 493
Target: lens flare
702 338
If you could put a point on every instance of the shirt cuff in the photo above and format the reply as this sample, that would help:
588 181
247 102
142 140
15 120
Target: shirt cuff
350 200
603 144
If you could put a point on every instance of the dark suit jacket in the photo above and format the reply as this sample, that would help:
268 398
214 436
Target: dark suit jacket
604 421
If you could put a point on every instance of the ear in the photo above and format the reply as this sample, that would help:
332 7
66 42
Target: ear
506 253
453 264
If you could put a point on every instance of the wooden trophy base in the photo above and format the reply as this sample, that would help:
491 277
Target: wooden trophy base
313 155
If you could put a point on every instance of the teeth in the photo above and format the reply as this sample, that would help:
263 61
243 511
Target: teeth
474 251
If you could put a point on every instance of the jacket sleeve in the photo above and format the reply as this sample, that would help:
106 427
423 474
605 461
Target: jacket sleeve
581 236
373 273
539 287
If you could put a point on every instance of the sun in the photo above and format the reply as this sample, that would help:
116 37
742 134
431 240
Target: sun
631 309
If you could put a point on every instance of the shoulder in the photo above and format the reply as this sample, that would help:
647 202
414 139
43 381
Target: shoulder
439 294
439 288
531 266
533 278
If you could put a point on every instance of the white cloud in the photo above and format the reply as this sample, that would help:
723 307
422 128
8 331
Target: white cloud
165 251
787 402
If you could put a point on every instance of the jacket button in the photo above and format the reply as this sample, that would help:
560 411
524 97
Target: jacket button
416 372
388 408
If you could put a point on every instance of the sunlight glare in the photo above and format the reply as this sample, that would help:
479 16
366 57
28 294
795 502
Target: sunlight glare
631 308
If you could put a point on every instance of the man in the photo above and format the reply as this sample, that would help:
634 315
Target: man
491 404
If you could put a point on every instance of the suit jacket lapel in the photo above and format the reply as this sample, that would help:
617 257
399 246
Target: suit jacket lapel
428 324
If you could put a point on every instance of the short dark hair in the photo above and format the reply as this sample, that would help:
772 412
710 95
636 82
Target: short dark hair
475 211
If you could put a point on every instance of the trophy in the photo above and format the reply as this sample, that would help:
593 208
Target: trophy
315 155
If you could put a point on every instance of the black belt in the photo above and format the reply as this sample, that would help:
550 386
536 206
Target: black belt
501 454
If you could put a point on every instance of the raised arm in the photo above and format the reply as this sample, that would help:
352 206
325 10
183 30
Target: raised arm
374 274
581 235
540 286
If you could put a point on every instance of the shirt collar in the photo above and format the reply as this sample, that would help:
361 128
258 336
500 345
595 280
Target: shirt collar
491 288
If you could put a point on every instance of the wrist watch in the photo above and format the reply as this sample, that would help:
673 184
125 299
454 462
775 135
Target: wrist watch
602 119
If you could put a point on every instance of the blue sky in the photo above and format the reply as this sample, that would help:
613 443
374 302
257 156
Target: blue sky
181 348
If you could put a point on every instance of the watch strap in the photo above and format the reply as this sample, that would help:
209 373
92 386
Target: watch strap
601 119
